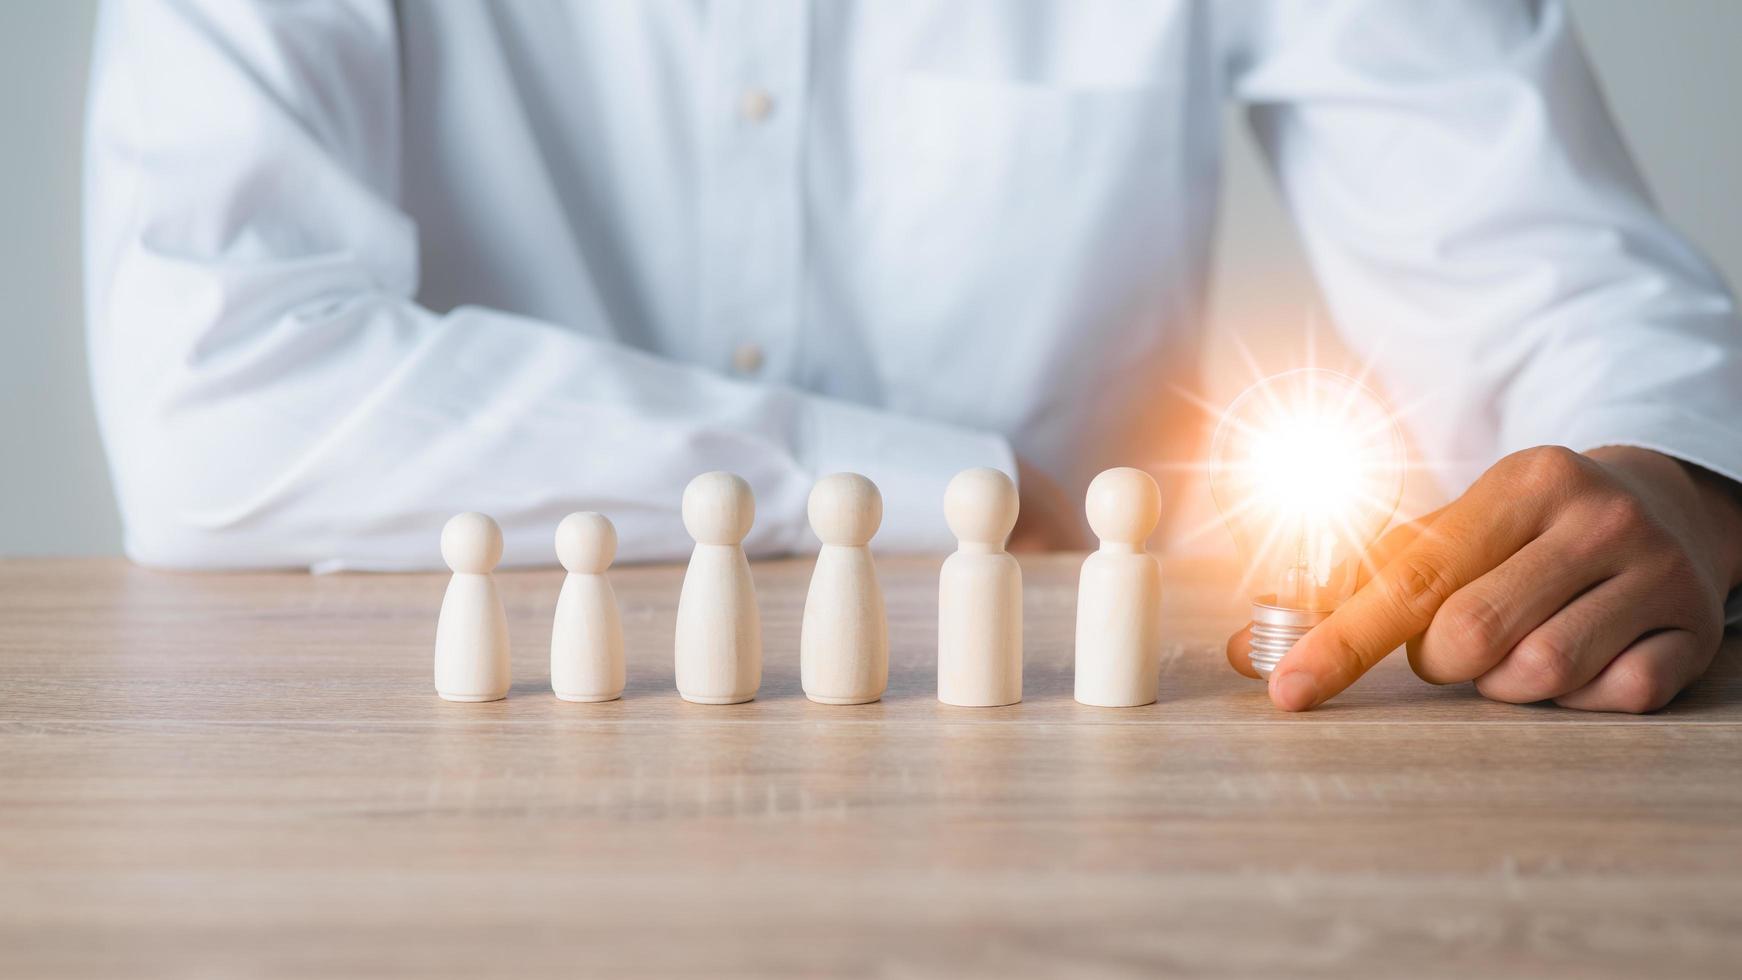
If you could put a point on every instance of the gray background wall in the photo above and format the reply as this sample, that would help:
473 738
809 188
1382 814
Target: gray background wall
1668 67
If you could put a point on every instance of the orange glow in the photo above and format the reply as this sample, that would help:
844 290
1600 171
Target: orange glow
1307 468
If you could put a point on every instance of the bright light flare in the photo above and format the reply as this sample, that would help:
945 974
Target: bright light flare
1307 468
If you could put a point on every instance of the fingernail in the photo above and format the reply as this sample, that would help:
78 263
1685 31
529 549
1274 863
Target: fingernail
1294 691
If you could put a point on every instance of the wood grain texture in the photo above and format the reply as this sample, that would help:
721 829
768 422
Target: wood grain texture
248 775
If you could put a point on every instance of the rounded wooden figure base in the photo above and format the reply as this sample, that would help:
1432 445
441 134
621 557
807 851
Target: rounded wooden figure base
586 698
470 698
979 704
700 700
822 700
1119 704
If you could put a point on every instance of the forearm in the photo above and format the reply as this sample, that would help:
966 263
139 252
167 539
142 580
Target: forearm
342 444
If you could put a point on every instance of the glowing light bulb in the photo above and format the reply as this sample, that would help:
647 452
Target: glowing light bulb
1307 467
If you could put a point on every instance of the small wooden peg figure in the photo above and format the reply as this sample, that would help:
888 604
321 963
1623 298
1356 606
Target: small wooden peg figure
471 648
719 629
980 595
1119 594
844 639
586 636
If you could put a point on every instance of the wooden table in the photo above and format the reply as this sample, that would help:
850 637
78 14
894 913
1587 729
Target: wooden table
249 775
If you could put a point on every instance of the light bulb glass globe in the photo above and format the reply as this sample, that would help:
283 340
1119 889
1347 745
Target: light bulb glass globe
1307 468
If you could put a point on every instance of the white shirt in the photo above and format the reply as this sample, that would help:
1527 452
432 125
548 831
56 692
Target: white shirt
356 266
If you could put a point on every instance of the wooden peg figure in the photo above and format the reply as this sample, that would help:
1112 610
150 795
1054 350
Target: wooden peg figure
1119 595
586 636
980 595
843 647
471 648
719 630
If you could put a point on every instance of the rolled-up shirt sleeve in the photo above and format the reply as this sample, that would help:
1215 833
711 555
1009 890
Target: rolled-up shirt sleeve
271 394
1482 235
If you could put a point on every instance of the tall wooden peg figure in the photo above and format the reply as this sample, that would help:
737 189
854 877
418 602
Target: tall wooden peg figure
980 595
719 630
843 645
586 636
471 648
1119 595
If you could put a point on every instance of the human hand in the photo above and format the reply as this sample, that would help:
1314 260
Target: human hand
1595 580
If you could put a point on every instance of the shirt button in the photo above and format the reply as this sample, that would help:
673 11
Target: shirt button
756 105
747 359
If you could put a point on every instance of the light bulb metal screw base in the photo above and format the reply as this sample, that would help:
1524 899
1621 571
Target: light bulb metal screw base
1275 629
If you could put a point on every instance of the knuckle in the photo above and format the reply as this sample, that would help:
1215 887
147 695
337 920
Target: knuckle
1687 595
1545 469
1673 587
1619 515
1684 576
1544 665
1419 584
1465 637
1637 688
1341 654
1473 623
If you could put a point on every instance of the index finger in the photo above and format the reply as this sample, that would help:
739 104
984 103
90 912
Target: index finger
1465 540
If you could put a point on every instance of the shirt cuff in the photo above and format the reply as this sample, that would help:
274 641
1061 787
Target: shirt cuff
1704 442
911 460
